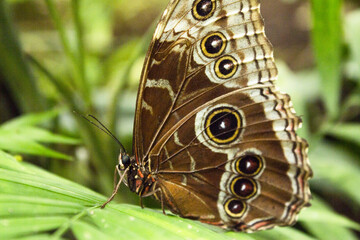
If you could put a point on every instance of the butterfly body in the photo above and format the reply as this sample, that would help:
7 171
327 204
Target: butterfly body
214 139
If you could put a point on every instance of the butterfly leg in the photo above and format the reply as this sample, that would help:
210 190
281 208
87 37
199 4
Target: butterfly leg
116 173
141 202
158 190
116 187
162 202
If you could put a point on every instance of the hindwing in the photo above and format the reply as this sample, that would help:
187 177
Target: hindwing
216 135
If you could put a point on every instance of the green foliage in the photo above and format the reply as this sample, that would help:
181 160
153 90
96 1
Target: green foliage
33 202
15 69
327 42
79 66
19 135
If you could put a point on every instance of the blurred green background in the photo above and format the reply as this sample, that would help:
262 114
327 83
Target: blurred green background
57 57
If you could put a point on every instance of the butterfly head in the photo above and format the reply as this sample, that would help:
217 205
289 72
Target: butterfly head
124 161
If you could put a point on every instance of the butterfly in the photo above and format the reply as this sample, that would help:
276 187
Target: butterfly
214 139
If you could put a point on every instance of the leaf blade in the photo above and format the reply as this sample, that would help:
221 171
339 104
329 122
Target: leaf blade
327 44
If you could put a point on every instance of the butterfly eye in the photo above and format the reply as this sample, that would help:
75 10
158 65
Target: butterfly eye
125 160
203 9
213 45
223 125
226 67
243 188
235 208
249 165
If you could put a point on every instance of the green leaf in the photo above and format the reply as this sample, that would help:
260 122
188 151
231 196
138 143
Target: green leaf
283 234
20 144
85 231
30 119
8 163
325 224
327 44
38 237
16 183
338 167
352 101
9 227
20 136
347 131
352 32
166 225
38 134
26 205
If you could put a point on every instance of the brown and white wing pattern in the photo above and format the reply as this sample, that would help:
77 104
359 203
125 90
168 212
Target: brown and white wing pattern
216 134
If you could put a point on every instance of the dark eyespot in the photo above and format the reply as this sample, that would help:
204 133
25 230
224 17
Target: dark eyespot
249 165
223 125
226 67
203 9
235 208
213 45
244 188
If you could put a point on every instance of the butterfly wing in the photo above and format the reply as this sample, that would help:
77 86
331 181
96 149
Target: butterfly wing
216 134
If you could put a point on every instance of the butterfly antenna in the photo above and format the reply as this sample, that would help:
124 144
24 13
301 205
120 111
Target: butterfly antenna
102 128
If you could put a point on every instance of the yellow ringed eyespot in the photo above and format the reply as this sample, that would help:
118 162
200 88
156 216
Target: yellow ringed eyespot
223 125
235 208
243 188
225 67
203 9
213 45
249 165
